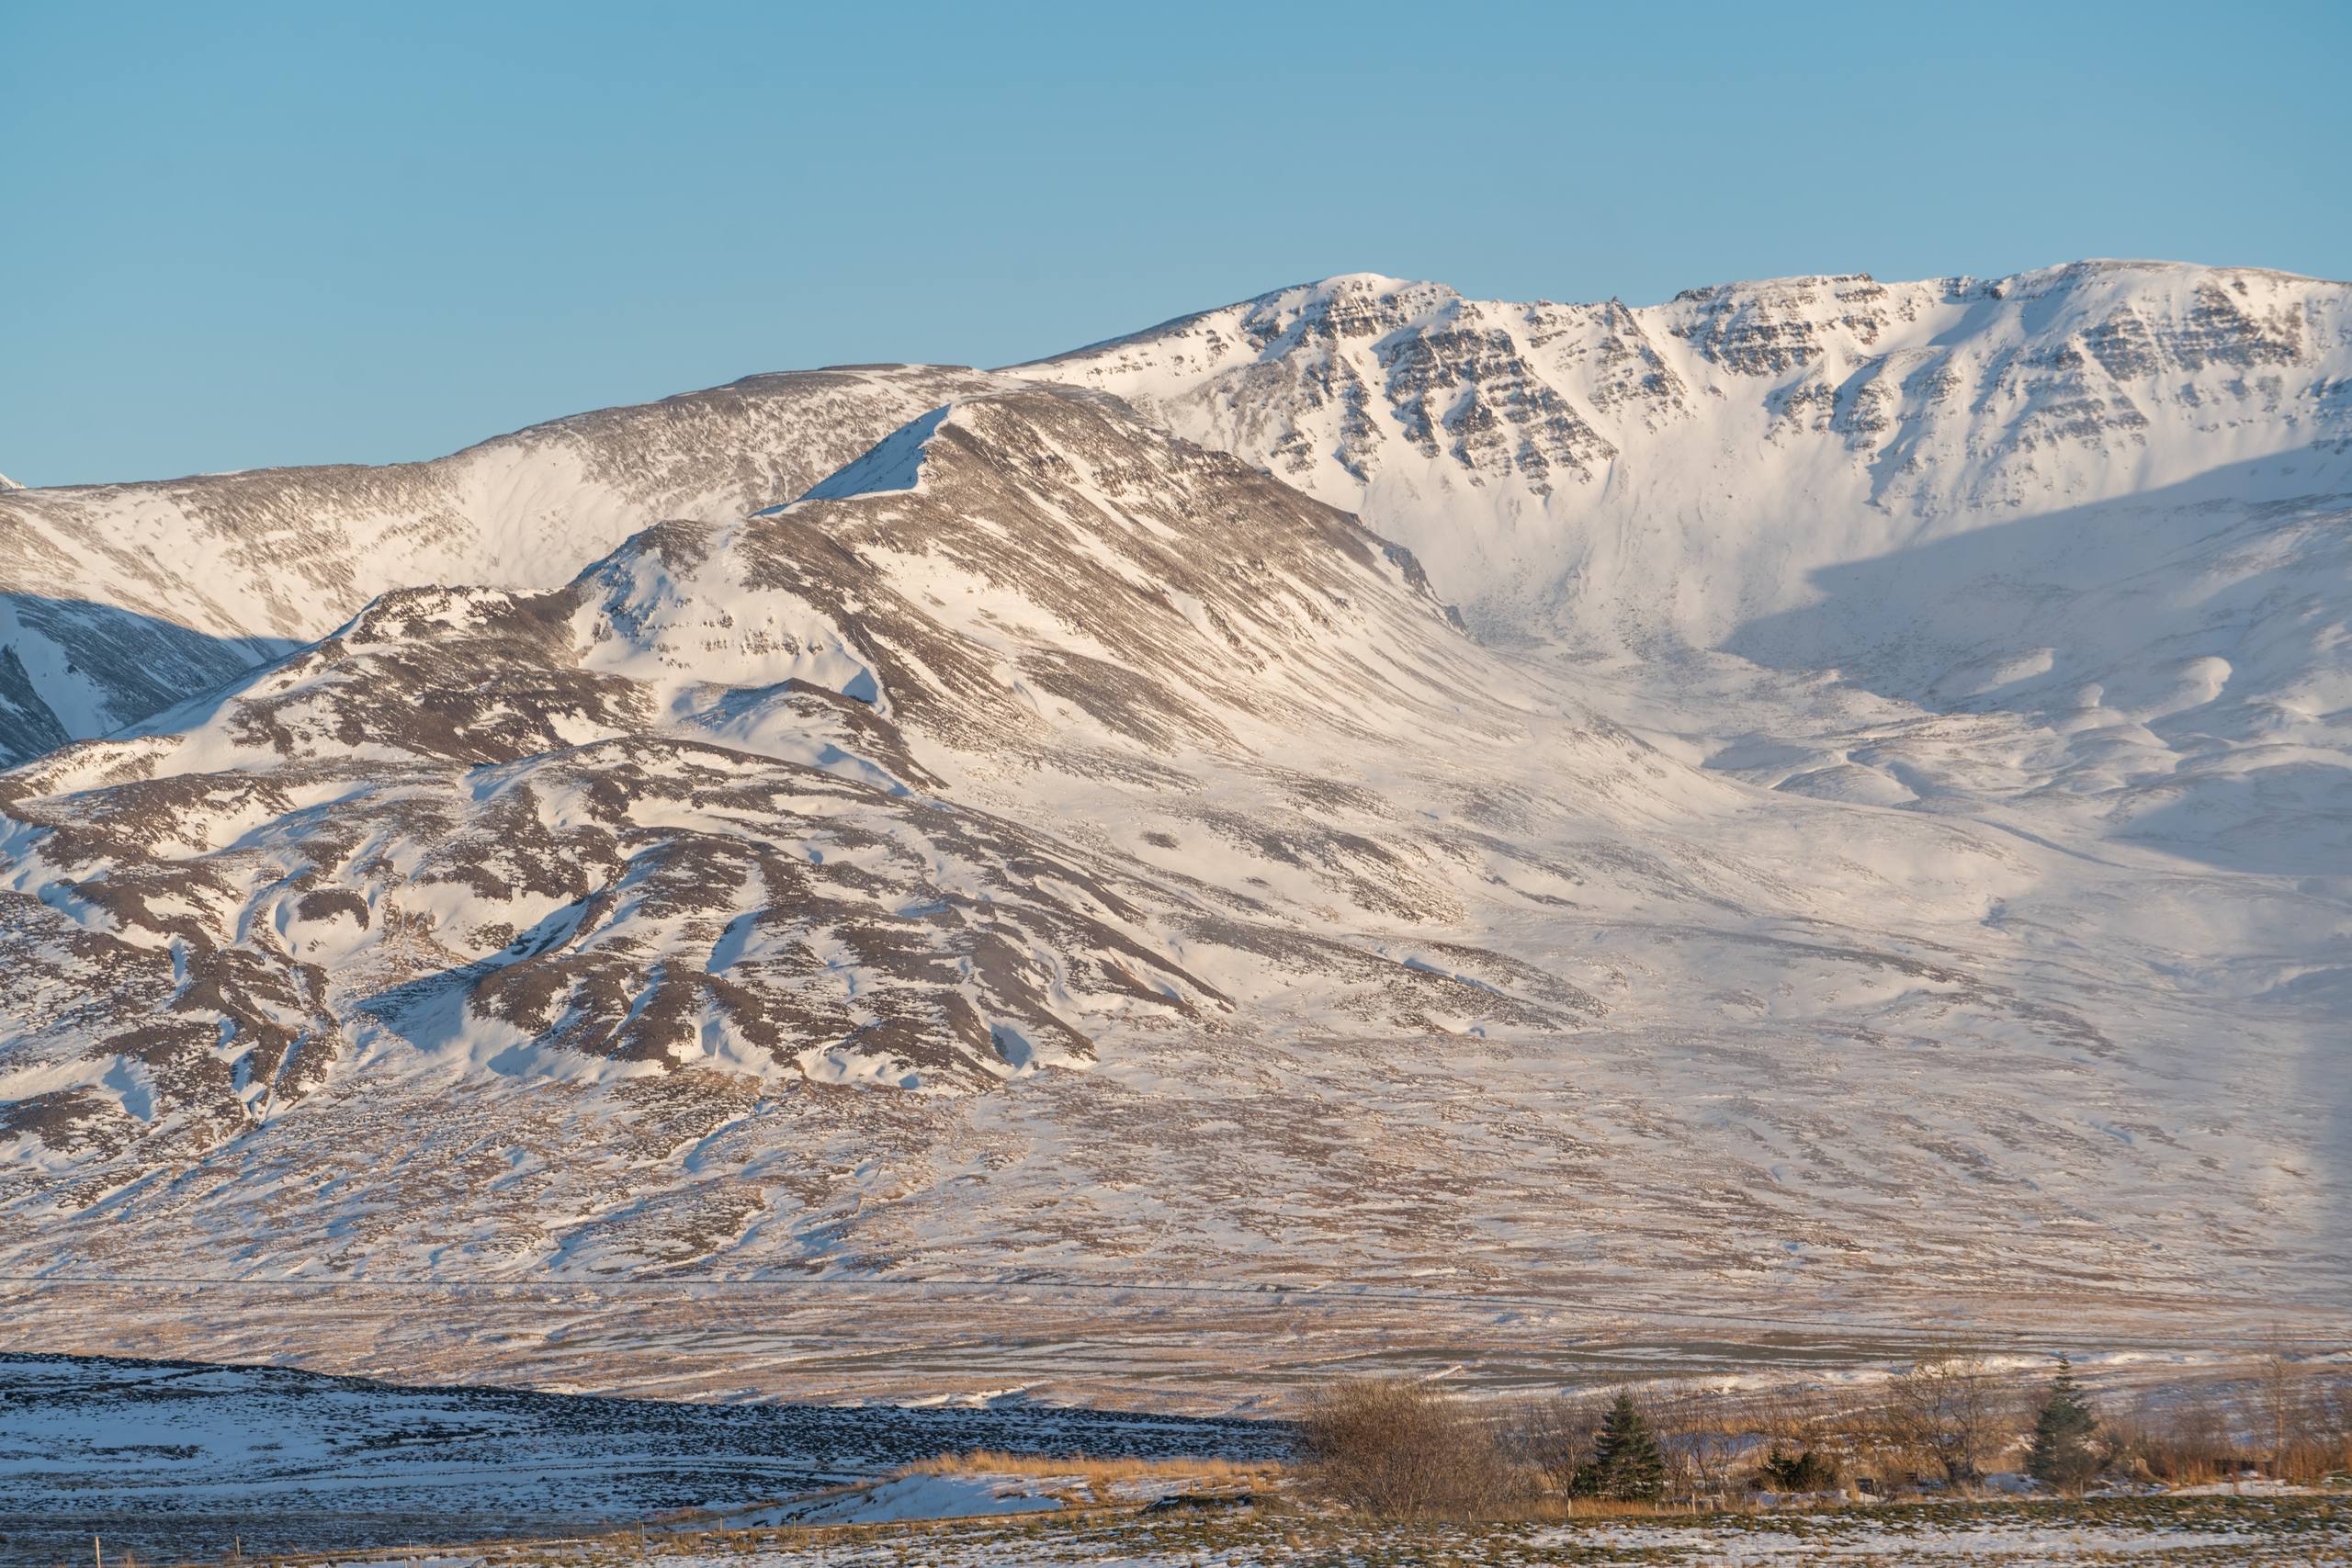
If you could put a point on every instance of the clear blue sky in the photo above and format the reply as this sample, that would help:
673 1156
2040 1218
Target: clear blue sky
240 234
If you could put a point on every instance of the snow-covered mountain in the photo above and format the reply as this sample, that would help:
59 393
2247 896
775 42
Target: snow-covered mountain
119 599
1880 839
678 813
1678 470
2110 503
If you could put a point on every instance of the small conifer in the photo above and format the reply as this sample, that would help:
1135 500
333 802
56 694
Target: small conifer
2059 1453
1627 1466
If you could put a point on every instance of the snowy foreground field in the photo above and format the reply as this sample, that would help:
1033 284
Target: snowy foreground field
180 1461
2200 1530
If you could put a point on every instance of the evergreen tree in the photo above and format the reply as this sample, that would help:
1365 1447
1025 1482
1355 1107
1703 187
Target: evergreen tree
2059 1453
1807 1472
1626 1464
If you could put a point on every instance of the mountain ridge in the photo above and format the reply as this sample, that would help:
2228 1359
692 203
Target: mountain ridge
282 554
1403 401
1054 839
1483 502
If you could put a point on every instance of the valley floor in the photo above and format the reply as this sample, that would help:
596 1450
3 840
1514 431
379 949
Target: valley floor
2252 1533
1199 1350
182 1460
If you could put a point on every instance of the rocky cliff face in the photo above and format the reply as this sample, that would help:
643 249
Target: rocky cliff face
1569 470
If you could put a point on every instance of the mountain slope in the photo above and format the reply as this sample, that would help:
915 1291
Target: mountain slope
667 816
2068 541
1676 470
1051 847
117 600
1885 853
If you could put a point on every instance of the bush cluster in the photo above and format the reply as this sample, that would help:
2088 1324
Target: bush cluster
1404 1449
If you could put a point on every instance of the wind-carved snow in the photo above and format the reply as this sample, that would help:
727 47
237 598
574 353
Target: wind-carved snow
895 464
1888 844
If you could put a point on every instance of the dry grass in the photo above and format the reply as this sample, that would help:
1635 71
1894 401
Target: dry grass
989 1462
1550 1509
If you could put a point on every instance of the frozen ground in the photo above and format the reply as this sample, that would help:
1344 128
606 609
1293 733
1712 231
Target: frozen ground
180 1461
2272 1533
1200 1350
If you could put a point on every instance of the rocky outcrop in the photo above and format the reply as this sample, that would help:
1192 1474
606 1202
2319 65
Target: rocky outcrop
1793 423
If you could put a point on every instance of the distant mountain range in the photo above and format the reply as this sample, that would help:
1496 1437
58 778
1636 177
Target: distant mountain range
1818 790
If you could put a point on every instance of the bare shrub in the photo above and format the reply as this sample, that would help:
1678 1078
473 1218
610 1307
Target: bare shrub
1797 1416
2181 1442
2278 1409
2291 1420
1399 1448
1704 1432
1950 1410
1551 1438
2299 1417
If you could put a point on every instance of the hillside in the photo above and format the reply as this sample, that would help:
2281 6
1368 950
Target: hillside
119 599
1049 825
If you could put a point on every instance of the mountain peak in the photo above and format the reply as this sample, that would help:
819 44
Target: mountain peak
1455 424
1366 282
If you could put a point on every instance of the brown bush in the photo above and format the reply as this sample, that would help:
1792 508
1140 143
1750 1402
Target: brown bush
2182 1442
1947 1412
1551 1437
1399 1448
1705 1435
2300 1417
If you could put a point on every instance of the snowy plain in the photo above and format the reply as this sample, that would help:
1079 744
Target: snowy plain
181 1461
